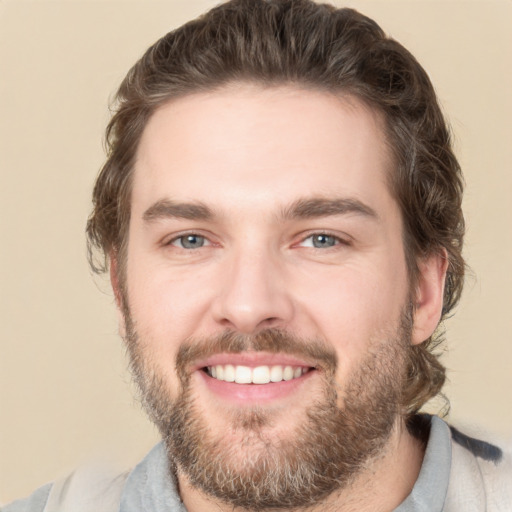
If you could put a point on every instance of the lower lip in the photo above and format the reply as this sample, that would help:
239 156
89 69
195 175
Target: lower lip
252 394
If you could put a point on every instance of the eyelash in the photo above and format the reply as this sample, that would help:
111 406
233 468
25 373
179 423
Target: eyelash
337 240
183 236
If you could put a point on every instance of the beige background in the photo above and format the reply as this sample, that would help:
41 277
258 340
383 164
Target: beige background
64 393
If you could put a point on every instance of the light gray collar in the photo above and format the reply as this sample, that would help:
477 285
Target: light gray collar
429 491
151 486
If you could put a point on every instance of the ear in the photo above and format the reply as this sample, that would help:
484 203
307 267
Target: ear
428 303
116 287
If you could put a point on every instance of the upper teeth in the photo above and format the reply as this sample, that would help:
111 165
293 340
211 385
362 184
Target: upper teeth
257 375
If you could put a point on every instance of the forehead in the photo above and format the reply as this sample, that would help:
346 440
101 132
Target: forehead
250 146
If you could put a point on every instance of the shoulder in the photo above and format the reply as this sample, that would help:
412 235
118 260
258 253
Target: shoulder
36 502
149 485
481 473
89 488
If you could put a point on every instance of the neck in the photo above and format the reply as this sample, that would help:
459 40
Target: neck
380 487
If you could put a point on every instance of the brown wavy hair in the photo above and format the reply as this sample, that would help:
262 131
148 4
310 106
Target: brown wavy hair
299 42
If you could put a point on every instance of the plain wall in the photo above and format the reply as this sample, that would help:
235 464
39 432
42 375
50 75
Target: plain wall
65 394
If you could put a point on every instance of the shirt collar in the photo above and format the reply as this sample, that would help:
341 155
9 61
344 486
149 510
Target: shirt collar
429 491
151 485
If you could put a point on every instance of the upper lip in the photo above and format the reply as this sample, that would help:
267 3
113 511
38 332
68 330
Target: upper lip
252 359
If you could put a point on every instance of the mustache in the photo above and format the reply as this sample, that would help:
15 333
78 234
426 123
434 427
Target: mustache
274 341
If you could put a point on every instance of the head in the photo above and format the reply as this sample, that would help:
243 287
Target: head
314 46
317 51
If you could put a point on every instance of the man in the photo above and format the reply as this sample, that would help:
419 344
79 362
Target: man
280 214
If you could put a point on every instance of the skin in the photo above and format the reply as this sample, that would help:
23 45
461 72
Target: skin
249 155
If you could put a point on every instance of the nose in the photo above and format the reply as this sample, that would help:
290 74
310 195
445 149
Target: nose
253 295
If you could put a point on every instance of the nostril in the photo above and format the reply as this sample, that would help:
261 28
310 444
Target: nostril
269 322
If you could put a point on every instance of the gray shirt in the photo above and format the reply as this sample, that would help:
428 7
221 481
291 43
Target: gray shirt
458 473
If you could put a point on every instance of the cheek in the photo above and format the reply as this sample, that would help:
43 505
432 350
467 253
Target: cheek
355 306
167 306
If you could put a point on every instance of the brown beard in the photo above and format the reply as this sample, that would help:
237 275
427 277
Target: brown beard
320 456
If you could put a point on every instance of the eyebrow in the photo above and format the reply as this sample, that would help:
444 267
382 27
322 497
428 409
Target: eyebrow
166 208
306 208
315 207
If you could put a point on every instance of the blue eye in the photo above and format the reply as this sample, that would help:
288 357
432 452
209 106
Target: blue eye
320 241
190 241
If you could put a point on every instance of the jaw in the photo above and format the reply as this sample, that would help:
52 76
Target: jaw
251 443
296 450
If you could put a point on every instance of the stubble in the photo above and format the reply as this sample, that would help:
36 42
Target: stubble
337 439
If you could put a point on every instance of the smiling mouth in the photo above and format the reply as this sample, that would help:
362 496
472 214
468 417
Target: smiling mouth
258 375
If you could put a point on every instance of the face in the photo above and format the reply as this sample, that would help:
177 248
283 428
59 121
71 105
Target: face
266 288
